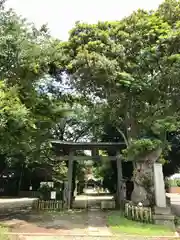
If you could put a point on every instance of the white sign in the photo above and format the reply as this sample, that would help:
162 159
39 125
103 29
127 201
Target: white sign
53 195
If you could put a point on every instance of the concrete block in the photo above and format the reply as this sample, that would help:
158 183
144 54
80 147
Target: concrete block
80 204
107 204
167 220
162 210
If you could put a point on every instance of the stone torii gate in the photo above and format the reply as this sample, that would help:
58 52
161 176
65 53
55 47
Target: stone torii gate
66 152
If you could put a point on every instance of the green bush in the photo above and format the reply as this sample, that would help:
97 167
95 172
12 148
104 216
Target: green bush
45 192
172 183
178 182
139 148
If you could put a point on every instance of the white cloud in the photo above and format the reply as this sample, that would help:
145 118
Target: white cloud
62 14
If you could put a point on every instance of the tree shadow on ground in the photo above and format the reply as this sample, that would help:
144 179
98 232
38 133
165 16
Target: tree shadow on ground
54 222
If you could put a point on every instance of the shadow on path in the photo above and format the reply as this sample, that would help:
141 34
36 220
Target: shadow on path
75 222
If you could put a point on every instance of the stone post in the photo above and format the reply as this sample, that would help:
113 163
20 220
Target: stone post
162 213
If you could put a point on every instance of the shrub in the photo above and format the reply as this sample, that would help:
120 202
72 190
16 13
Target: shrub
178 182
45 192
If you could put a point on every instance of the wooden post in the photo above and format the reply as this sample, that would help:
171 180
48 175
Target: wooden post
70 173
120 195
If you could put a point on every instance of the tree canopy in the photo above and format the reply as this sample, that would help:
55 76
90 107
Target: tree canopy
124 76
27 114
130 68
132 65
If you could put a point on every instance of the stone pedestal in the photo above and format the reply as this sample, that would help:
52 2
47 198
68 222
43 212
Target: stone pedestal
163 216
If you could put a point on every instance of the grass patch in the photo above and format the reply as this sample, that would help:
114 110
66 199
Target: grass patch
119 224
3 233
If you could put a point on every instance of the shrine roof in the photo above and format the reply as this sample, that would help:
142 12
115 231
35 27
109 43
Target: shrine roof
88 145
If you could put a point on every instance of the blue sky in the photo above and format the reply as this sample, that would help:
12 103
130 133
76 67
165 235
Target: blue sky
62 14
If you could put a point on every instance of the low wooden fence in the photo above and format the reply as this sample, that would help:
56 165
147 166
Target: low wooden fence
47 205
136 213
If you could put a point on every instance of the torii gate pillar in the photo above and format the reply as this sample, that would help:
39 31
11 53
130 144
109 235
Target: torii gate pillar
70 176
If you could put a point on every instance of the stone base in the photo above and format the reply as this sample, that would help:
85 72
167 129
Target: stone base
162 210
80 204
107 204
163 216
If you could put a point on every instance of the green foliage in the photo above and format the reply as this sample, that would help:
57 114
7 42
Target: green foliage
166 124
133 65
178 182
140 148
59 171
173 182
24 50
16 121
99 170
125 72
45 191
28 113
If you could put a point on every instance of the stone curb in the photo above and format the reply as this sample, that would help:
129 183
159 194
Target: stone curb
89 235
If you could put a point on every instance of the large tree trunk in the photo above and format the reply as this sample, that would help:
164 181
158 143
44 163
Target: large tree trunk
143 179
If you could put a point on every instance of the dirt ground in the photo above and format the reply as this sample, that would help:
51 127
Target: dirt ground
27 223
76 224
72 225
57 223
